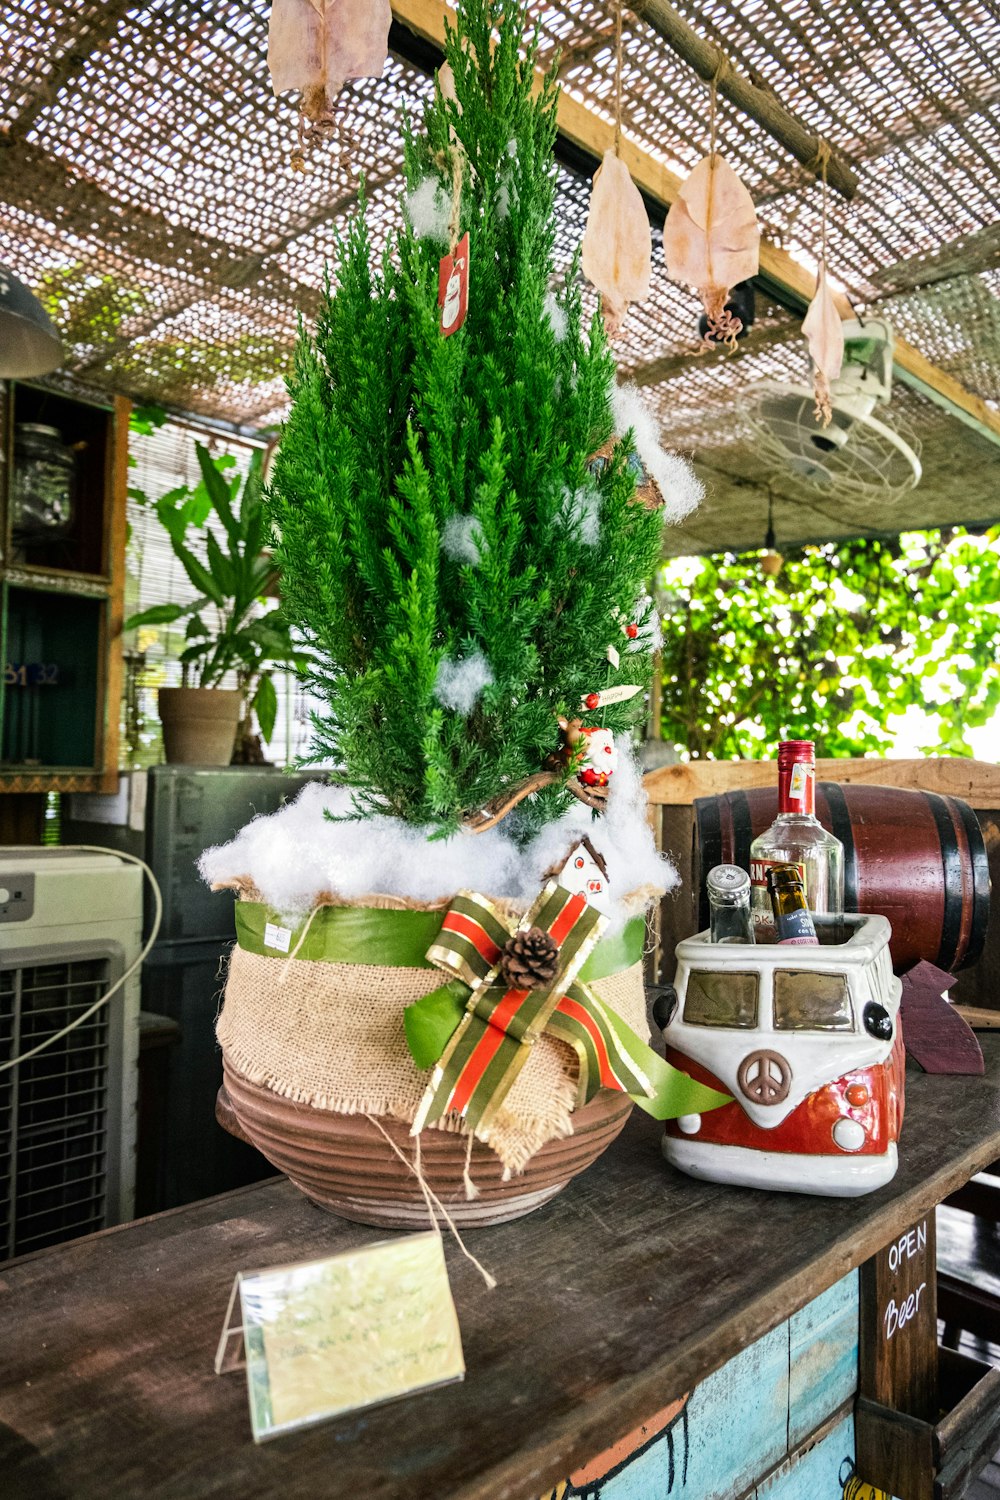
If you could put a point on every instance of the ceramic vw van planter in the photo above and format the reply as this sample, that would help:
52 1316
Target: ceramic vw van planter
807 1040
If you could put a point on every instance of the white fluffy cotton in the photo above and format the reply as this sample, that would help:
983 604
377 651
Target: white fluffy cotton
556 316
297 853
680 487
428 209
581 513
459 683
462 539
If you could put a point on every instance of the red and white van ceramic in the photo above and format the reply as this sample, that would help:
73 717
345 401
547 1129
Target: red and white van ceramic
807 1041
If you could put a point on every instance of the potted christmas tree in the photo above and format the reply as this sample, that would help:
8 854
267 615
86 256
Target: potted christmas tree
452 936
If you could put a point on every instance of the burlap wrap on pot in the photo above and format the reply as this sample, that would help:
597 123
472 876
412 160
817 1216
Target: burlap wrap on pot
331 1035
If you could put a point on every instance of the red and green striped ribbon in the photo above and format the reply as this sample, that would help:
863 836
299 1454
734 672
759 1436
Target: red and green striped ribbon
491 1043
581 1019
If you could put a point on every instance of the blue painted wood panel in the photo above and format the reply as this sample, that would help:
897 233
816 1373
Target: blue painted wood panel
748 1419
823 1358
815 1474
733 1429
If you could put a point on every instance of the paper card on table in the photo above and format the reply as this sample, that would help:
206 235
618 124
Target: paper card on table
330 1336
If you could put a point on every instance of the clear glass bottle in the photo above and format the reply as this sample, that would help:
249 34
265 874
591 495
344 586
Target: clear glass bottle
796 837
728 890
793 921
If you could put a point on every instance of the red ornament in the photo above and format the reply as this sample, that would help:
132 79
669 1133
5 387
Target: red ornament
592 700
631 631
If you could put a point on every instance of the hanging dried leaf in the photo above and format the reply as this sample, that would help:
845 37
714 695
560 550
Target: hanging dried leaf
617 246
824 331
711 240
316 45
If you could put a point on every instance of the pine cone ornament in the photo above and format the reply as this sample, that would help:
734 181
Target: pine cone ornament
530 959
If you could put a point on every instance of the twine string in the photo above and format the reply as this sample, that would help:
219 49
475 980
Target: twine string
619 55
453 162
432 1200
287 963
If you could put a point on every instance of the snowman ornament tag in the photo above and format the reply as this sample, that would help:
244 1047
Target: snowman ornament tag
453 287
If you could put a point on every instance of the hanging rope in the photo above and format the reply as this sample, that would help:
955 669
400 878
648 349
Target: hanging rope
823 158
618 78
431 1199
453 162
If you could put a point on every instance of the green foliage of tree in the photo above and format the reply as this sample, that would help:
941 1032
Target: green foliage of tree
846 637
396 431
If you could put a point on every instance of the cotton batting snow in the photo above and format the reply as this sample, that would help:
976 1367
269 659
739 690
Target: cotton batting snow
428 209
556 315
462 539
681 489
459 683
297 854
581 514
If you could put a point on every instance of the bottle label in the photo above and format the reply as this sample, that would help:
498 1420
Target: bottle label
798 783
796 927
797 788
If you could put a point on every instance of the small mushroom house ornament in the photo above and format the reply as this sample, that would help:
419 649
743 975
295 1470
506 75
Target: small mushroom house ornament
583 871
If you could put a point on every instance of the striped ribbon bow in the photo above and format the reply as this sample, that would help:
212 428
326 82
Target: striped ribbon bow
492 1041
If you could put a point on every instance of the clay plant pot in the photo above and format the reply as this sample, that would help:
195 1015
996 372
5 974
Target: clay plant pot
199 725
343 1163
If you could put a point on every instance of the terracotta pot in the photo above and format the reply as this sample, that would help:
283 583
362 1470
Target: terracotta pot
199 725
344 1164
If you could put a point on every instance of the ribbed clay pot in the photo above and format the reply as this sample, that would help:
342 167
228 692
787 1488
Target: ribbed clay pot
343 1163
199 725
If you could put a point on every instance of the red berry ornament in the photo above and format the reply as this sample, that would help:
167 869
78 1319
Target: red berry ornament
631 631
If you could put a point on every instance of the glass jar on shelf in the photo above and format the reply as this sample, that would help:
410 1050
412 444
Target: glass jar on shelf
42 484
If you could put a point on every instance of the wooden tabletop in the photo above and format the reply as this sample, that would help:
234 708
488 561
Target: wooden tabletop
624 1292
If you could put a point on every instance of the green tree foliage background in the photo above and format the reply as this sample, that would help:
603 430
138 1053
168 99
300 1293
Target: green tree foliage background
844 639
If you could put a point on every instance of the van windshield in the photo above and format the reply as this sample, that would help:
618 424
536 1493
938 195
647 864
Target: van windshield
806 1001
721 999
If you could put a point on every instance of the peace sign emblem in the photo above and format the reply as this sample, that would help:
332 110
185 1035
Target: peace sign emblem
764 1077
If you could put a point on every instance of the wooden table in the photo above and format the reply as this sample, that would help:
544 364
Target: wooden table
623 1293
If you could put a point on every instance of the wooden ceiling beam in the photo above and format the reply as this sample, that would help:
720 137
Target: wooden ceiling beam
681 362
967 256
753 99
794 283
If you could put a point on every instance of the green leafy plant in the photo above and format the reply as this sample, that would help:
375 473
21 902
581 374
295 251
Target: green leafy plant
226 630
846 639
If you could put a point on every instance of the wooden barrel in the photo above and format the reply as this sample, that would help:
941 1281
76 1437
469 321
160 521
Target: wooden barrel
916 857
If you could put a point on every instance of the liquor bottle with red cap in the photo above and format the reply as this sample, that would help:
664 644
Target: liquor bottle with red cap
796 837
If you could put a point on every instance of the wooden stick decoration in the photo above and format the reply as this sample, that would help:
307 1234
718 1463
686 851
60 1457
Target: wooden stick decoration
491 813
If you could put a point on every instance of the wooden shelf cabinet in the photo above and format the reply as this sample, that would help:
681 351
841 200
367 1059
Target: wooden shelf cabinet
61 601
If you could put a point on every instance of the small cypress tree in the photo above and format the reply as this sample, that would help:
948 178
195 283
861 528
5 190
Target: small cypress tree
455 565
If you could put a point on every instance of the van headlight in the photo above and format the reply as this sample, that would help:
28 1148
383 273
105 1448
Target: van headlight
848 1135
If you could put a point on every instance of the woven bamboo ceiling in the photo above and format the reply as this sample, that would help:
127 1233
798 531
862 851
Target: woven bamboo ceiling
145 187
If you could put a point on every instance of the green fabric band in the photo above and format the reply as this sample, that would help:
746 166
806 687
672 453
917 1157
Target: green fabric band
392 939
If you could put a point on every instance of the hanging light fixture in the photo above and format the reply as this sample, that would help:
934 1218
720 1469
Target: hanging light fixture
29 342
771 560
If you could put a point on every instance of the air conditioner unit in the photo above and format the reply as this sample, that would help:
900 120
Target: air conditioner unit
70 925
